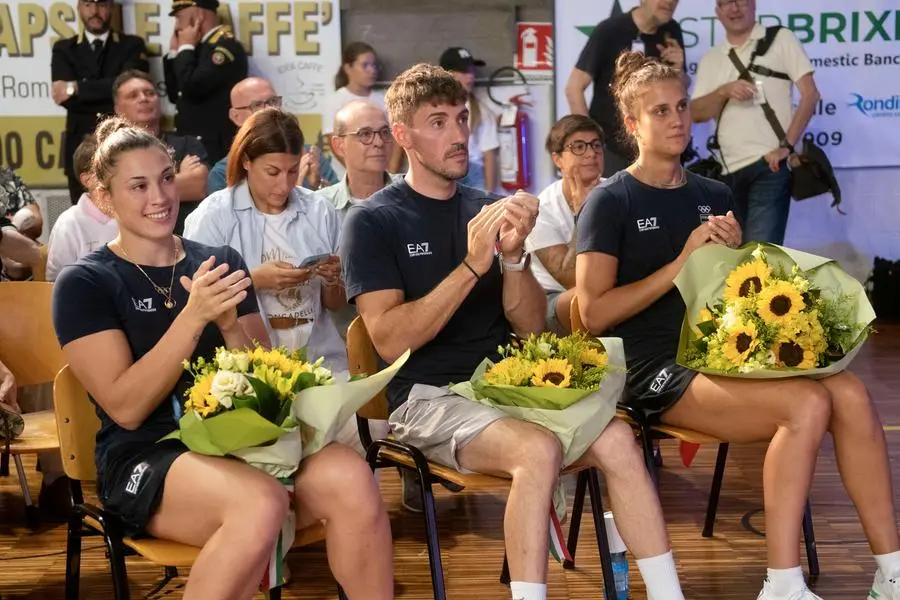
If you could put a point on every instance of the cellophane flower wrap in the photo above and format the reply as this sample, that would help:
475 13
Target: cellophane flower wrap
271 409
764 311
569 385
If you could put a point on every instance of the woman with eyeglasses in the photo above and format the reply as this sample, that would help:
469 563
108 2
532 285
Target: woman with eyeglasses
288 236
575 144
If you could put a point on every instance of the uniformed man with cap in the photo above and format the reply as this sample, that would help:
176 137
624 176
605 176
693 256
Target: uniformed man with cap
204 62
83 68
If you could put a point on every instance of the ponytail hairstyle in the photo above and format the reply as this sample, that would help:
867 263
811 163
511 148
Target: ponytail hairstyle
351 52
634 72
116 136
267 131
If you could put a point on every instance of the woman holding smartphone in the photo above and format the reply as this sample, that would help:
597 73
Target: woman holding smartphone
287 235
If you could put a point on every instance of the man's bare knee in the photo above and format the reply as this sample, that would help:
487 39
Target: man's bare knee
615 449
538 456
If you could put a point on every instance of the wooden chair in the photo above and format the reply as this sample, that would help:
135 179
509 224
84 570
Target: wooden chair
647 433
78 425
390 453
29 348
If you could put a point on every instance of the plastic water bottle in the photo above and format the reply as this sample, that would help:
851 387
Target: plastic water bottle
618 551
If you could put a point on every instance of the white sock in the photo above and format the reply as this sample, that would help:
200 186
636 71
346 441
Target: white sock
784 582
660 577
889 564
522 590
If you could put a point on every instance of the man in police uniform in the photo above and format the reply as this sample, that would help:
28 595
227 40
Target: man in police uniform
204 62
83 68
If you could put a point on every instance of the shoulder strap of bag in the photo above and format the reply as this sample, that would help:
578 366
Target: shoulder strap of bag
762 47
766 107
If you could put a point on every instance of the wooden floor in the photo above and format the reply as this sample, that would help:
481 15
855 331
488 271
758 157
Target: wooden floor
729 566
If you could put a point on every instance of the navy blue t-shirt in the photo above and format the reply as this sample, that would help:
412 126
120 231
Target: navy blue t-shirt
102 292
399 239
646 228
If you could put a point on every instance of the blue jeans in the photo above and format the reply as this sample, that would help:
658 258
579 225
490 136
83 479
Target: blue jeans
762 199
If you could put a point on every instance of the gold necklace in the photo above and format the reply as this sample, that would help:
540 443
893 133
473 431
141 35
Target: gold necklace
166 293
666 186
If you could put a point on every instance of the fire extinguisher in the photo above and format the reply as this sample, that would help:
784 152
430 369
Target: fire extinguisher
515 165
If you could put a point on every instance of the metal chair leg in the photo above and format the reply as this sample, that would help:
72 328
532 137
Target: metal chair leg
117 567
505 577
809 540
341 594
431 536
609 582
575 524
715 491
32 516
73 555
169 573
275 593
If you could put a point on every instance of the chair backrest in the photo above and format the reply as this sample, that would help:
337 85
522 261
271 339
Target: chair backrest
77 424
575 316
39 270
363 360
28 344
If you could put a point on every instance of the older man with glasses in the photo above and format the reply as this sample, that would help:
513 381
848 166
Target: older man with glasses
363 141
247 97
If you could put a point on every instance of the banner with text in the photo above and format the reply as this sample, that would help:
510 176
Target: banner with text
296 45
854 49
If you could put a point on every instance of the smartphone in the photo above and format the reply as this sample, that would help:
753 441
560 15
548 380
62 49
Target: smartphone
312 260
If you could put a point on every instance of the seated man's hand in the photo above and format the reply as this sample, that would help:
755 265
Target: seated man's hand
519 216
8 389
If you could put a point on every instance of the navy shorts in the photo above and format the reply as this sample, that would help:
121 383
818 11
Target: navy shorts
654 385
131 489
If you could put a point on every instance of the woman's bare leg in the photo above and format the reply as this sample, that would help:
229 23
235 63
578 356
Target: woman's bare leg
793 414
335 485
862 459
236 531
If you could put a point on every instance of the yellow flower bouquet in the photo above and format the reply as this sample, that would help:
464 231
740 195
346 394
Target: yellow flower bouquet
765 311
570 385
271 409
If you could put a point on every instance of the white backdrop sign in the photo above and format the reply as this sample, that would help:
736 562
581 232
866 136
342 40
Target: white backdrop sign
854 47
296 45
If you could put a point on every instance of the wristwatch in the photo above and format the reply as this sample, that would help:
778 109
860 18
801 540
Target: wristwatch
71 88
523 263
787 146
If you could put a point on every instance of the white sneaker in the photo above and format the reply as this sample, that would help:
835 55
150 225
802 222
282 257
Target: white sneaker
804 594
884 588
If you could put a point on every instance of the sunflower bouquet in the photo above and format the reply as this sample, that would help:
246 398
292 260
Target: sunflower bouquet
768 311
570 385
271 409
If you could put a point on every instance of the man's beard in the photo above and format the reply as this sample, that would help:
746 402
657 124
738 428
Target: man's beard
97 30
445 173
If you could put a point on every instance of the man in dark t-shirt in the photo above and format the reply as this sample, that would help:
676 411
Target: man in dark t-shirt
648 28
421 262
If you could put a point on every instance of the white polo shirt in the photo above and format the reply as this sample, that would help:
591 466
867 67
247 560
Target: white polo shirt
78 231
745 135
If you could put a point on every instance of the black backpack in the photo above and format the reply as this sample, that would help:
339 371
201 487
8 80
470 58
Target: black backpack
884 288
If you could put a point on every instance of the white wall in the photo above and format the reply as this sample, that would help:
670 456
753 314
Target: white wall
871 199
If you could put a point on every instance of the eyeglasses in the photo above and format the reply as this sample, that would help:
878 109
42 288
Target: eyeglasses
366 135
723 4
579 147
273 102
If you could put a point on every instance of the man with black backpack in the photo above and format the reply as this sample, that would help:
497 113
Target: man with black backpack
746 85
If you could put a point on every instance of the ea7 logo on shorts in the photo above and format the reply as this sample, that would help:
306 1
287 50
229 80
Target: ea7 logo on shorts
660 381
648 224
145 305
419 249
134 482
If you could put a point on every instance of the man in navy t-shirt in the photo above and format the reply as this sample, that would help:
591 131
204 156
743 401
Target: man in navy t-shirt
421 262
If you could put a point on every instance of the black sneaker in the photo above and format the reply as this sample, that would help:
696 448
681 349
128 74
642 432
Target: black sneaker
55 500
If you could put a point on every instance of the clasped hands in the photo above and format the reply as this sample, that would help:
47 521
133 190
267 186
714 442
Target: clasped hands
505 223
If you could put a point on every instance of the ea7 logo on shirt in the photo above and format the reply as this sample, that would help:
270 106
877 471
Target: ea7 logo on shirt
648 224
419 249
660 381
134 482
704 210
145 305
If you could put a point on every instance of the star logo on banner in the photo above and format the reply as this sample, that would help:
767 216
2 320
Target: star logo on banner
588 29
